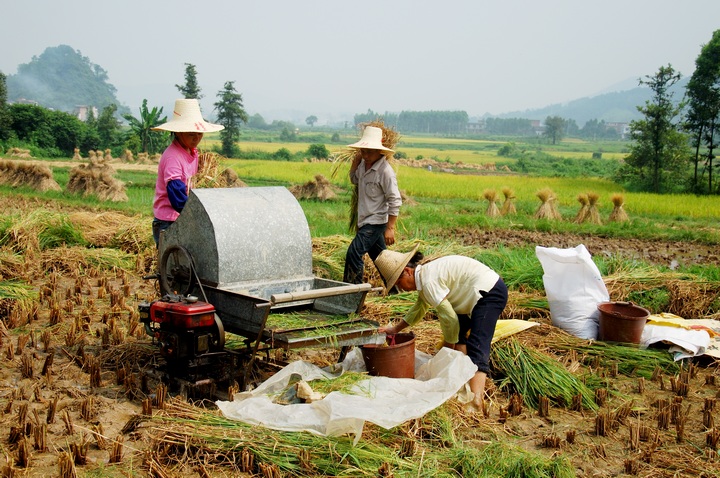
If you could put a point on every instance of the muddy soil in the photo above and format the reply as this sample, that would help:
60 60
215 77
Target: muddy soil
661 253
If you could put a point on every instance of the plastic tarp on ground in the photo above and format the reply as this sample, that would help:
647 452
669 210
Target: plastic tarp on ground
387 402
687 337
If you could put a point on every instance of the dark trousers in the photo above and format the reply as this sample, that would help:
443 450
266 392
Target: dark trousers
369 239
481 324
157 226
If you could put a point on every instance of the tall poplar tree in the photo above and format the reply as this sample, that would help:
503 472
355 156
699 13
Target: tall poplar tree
703 117
231 114
190 89
659 151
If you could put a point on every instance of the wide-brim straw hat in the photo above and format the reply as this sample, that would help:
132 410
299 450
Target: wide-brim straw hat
371 139
187 118
390 265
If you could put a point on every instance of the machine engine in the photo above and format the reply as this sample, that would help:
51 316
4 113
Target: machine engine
183 327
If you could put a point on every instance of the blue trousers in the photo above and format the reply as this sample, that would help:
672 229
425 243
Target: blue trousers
369 239
157 226
481 325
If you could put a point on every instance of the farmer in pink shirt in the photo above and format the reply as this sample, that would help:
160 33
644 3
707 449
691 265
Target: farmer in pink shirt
178 163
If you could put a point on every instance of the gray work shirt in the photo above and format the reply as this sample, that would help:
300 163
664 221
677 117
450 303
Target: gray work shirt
378 193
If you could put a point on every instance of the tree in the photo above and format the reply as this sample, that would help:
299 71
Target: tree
256 121
108 126
150 141
554 128
190 89
318 151
311 120
57 132
5 130
659 150
703 117
230 114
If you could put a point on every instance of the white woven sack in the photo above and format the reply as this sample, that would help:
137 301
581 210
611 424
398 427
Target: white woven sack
574 288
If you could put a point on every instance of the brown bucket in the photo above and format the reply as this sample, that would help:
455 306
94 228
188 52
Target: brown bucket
395 358
621 322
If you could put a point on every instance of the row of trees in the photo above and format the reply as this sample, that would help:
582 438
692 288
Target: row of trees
427 122
57 133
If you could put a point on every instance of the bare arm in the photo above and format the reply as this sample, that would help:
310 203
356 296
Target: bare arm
390 231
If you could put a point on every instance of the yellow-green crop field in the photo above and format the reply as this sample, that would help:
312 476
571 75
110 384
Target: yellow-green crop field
420 183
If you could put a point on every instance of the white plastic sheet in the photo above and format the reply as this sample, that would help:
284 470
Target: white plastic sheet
384 401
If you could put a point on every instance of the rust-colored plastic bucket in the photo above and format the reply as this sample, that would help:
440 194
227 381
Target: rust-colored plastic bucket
395 358
621 322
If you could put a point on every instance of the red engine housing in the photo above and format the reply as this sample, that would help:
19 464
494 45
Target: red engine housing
183 315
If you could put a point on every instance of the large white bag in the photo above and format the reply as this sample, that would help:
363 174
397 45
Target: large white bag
574 288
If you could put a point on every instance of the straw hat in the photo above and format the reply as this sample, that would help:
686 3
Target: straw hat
371 139
390 264
187 118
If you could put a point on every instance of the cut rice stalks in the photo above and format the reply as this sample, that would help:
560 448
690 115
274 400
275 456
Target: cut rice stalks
533 374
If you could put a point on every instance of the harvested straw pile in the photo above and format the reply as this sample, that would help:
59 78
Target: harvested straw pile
34 175
111 229
96 178
583 212
390 139
127 156
320 189
76 155
108 156
490 196
548 208
508 206
618 213
19 153
593 215
210 175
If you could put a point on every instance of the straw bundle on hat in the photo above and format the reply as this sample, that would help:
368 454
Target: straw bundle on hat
371 139
390 265
187 118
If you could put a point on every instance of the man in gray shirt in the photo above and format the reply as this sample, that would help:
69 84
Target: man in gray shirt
378 203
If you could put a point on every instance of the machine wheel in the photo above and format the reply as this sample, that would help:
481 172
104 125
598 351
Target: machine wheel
177 275
221 333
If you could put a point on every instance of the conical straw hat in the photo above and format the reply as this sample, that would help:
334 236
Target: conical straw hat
187 118
371 139
390 265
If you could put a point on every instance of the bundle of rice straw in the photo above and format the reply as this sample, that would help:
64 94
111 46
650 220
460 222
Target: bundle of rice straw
320 189
34 175
390 138
548 208
76 156
209 174
583 212
593 215
618 213
127 156
492 209
96 178
509 204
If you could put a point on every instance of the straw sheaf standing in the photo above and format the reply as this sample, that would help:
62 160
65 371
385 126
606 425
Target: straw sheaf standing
97 178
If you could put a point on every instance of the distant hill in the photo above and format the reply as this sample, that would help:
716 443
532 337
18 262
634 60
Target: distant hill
62 79
617 106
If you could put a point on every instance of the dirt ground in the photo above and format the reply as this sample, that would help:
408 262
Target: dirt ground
70 397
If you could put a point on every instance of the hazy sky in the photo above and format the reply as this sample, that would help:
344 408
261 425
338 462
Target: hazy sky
334 58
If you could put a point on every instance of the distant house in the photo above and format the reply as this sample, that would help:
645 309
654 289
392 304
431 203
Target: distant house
623 129
475 127
82 112
538 127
